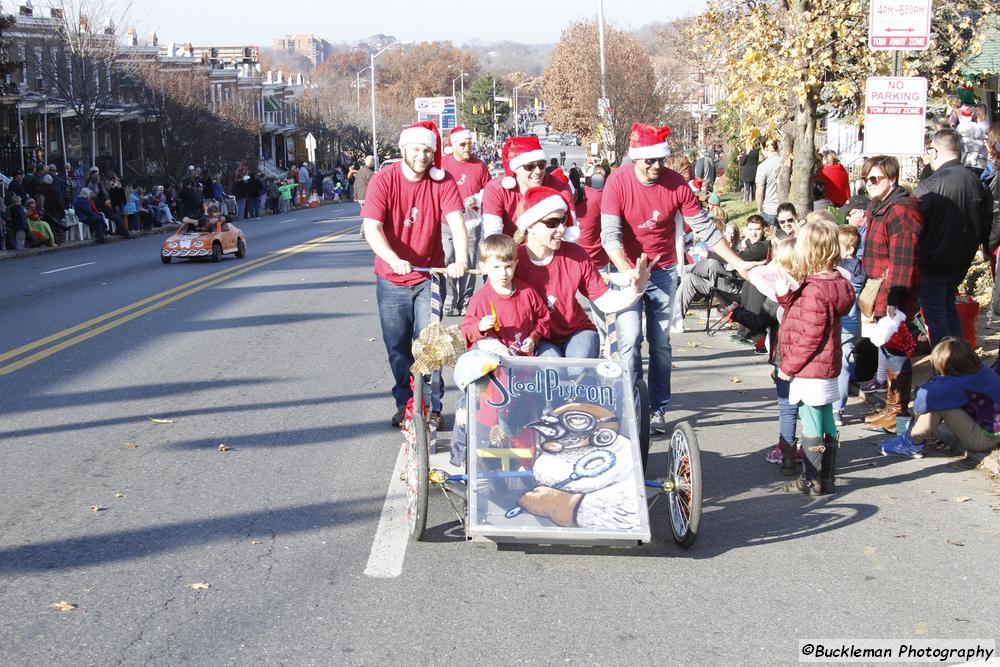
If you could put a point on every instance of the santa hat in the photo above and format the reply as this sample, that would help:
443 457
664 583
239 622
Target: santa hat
648 142
518 151
458 133
560 175
537 203
425 133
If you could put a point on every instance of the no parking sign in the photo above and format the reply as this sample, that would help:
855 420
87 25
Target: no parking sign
895 115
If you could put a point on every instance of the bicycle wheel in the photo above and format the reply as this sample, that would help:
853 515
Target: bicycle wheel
684 470
641 393
417 469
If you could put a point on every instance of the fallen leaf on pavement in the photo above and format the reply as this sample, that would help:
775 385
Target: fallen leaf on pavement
673 365
371 340
199 586
131 445
963 499
693 343
97 508
956 543
870 551
62 605
735 380
931 491
161 421
119 495
256 542
899 535
223 447
921 629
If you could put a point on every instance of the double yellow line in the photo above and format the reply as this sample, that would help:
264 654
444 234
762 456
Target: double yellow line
61 340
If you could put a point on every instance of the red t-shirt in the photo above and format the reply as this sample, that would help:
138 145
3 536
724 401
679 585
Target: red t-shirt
499 201
570 270
838 183
521 315
470 177
588 219
648 212
411 215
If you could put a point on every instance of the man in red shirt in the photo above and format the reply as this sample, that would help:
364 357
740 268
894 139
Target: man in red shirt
639 210
524 167
404 207
471 176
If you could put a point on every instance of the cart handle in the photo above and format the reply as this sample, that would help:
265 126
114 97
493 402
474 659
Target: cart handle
438 271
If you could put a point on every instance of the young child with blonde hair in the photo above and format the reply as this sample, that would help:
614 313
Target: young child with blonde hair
810 349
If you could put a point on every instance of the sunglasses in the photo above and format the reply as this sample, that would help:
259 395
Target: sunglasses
874 180
650 161
553 223
532 166
786 221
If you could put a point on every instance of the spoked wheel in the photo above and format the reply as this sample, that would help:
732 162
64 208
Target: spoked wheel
641 392
684 470
417 469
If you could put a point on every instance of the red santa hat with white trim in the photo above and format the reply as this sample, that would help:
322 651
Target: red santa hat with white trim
519 151
425 133
539 202
458 133
648 142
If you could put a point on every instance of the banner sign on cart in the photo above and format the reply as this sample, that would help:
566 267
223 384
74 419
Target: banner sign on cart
895 115
899 25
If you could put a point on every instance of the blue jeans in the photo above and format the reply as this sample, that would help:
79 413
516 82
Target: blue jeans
771 220
241 205
404 312
788 415
937 300
253 207
847 342
656 303
582 345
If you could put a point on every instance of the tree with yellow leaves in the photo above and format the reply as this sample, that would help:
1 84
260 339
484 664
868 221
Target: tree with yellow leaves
788 62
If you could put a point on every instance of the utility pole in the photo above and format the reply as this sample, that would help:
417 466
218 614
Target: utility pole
494 111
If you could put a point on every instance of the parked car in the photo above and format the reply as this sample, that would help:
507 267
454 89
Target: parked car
198 239
569 139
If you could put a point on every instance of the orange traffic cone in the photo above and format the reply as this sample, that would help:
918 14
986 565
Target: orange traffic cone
313 200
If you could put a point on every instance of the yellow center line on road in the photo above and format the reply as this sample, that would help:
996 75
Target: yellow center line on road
151 303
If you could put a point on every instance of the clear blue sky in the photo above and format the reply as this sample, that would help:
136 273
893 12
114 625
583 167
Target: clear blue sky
234 22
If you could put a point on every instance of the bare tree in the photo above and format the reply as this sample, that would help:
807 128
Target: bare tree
94 59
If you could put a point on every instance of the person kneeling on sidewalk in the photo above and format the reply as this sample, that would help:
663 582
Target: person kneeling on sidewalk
965 395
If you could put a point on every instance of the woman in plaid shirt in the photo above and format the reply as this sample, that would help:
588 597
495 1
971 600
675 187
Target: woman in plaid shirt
893 230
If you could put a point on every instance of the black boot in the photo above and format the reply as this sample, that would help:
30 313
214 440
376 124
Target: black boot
812 456
828 472
787 457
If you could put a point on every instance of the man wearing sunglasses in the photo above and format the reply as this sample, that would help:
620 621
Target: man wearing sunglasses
639 215
404 207
524 167
957 213
471 176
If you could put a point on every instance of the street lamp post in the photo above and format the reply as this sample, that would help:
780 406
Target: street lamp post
357 86
517 120
372 67
462 77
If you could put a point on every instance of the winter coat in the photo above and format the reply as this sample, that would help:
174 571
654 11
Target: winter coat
809 336
947 392
891 235
361 180
851 269
748 166
957 212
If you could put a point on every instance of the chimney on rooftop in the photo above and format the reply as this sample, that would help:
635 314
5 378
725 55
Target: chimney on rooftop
131 37
154 40
26 9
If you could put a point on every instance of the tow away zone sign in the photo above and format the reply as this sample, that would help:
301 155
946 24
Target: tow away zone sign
899 25
895 114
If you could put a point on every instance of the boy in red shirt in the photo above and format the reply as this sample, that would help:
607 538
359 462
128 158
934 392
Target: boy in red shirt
505 316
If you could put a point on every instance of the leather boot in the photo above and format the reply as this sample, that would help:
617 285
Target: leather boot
813 449
787 457
897 398
828 472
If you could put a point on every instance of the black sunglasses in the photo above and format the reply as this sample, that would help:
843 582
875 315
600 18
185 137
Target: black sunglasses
531 166
553 223
650 161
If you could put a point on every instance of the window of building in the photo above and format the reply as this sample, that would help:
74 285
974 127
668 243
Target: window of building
38 68
54 59
22 55
69 72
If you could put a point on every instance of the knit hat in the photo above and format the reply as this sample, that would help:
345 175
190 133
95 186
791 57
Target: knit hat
425 133
458 133
518 151
648 142
537 203
714 200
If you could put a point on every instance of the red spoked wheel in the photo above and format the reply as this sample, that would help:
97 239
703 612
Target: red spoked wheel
684 471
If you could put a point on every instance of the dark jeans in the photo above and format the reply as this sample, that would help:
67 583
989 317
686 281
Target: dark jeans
937 300
404 312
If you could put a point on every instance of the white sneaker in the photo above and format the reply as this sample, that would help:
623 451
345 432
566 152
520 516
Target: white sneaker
838 419
658 421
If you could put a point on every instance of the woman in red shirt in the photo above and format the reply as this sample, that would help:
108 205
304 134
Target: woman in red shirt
557 270
834 176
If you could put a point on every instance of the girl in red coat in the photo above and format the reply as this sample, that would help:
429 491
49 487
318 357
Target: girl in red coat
809 345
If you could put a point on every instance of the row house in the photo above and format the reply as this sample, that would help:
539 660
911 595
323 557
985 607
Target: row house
40 121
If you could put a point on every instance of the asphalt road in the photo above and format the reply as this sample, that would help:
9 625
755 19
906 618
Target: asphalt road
284 365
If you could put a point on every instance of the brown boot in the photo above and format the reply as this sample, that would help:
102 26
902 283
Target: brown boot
897 399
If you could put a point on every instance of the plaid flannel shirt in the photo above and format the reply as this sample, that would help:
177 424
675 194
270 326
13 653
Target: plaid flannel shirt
894 226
